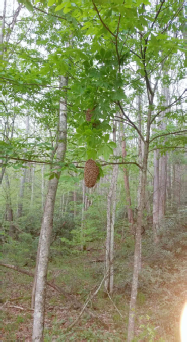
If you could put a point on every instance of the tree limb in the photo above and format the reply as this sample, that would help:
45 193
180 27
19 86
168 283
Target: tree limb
165 108
131 122
101 20
164 134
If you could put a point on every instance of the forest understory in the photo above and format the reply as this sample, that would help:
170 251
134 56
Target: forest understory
161 292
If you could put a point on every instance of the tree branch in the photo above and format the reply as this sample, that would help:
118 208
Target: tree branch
131 122
52 15
121 163
30 274
167 147
101 20
172 104
169 133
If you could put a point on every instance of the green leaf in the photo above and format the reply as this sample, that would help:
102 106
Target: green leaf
106 137
52 175
59 7
92 154
51 2
66 9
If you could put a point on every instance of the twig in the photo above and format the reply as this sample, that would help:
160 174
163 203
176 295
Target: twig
86 303
114 305
30 274
17 307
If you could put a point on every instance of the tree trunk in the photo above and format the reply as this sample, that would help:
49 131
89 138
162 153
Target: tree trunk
177 185
2 27
23 179
126 178
140 160
43 186
111 209
74 203
82 216
169 183
163 166
32 185
156 197
137 251
9 210
162 186
47 223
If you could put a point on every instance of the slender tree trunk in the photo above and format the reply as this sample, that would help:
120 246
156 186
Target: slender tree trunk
163 182
111 209
2 27
126 179
47 223
9 210
156 197
163 165
21 193
74 203
137 252
82 216
23 179
140 160
169 183
43 187
177 194
66 204
32 185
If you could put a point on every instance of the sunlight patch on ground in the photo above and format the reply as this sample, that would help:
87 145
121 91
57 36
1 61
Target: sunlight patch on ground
183 324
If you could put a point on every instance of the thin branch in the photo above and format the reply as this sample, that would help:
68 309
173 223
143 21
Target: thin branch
101 20
33 84
114 305
90 297
171 20
165 108
78 167
131 122
157 14
167 147
169 133
121 163
52 15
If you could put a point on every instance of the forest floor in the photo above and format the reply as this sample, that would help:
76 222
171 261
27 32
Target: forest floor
161 296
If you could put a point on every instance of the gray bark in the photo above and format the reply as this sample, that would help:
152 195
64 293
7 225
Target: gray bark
82 216
111 209
9 210
43 186
156 197
137 251
140 160
47 223
126 178
163 166
23 179
32 185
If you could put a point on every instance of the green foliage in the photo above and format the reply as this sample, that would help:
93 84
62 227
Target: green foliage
22 251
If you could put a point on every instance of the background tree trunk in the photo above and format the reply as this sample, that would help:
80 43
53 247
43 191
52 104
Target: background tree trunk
82 217
9 210
137 251
163 166
156 197
47 223
23 179
126 177
111 209
32 185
